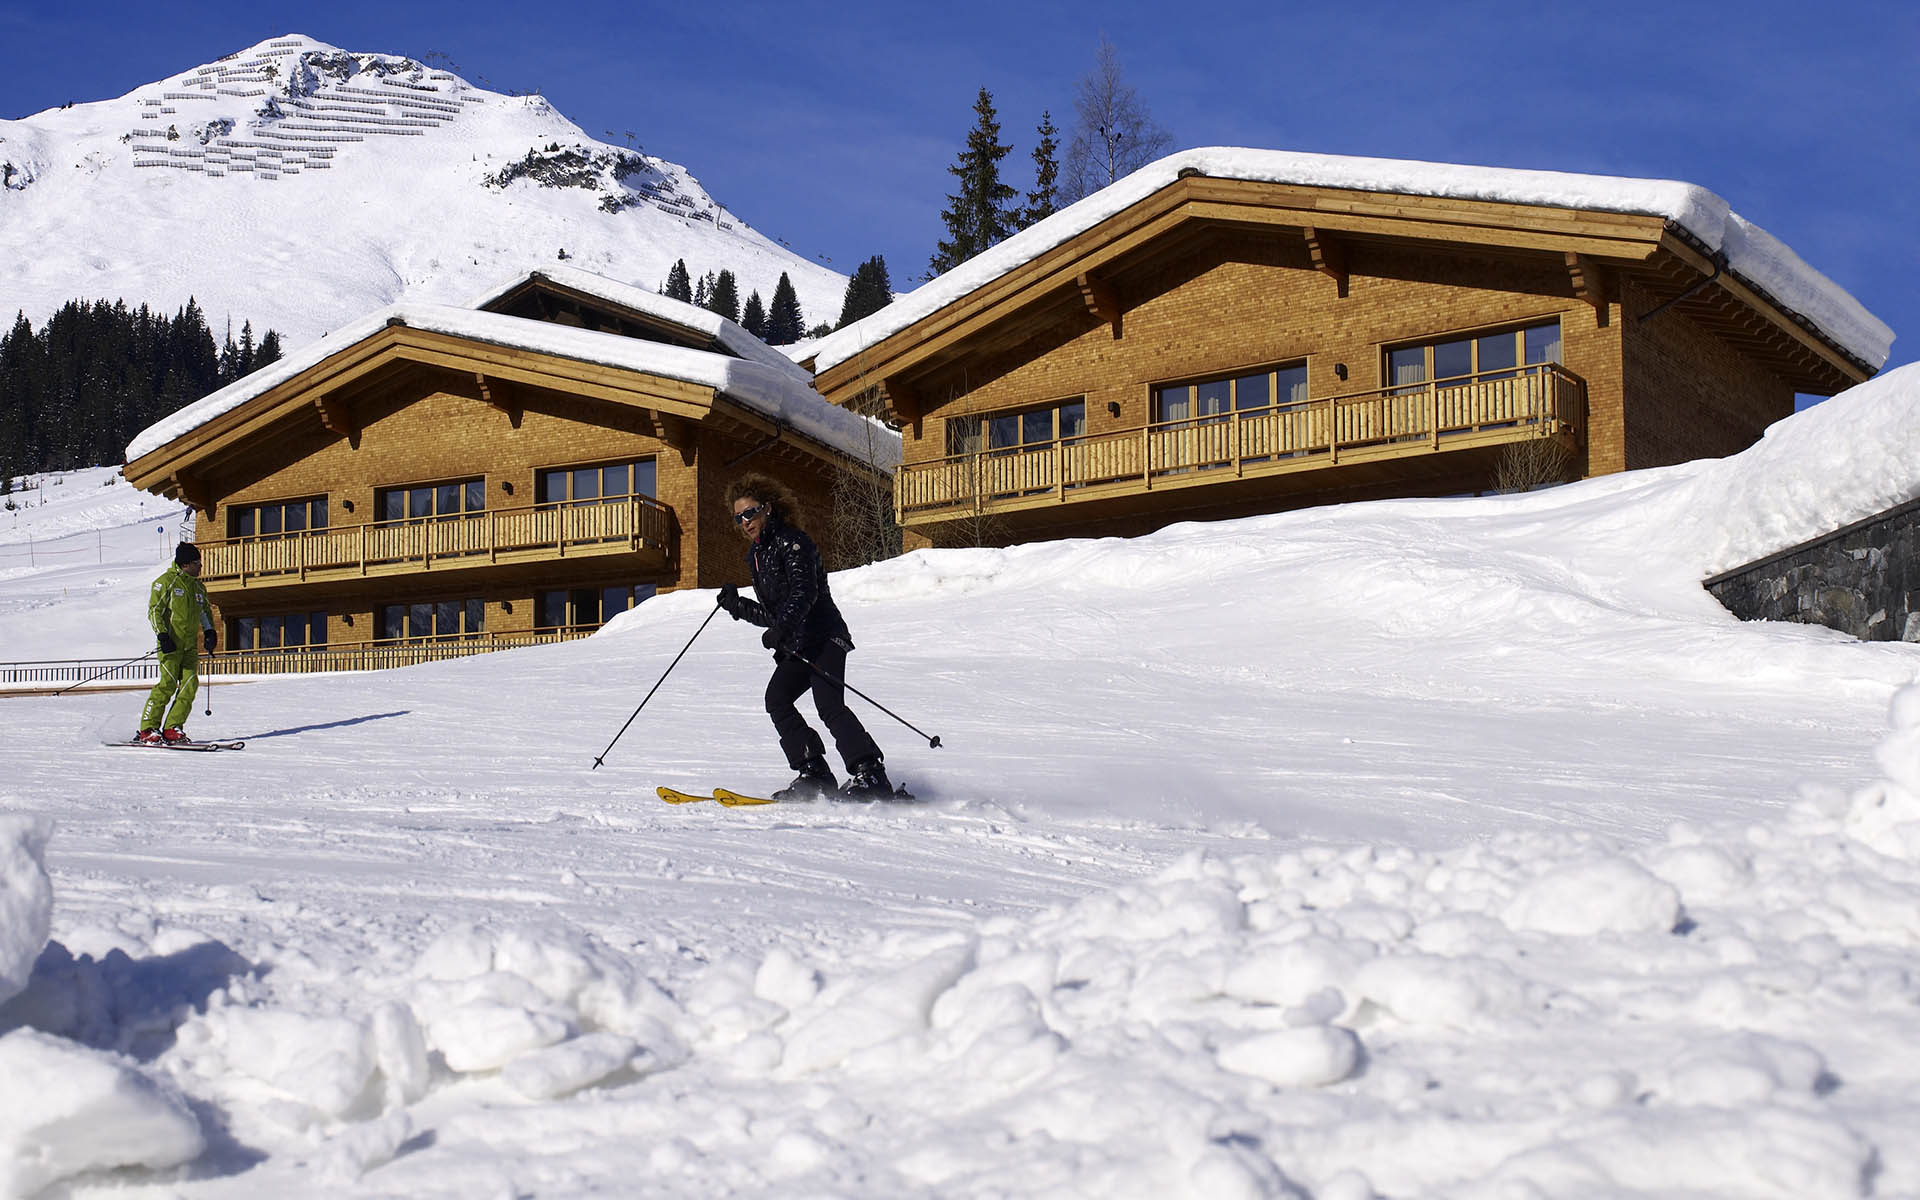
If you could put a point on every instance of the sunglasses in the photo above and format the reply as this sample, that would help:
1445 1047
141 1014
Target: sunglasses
749 514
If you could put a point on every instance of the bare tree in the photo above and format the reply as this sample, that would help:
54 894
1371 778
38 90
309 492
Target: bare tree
1113 133
861 528
1536 462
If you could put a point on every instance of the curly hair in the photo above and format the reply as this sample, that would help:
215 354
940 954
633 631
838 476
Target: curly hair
760 489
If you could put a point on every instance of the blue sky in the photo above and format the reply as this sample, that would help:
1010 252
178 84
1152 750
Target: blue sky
831 127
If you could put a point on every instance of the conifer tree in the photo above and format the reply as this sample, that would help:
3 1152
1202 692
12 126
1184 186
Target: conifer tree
679 285
977 217
1044 200
785 325
754 318
868 291
724 296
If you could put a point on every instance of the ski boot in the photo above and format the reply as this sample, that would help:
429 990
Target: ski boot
173 735
868 781
149 737
814 781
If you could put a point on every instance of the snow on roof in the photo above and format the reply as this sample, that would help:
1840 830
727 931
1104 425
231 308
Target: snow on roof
1751 251
780 393
729 334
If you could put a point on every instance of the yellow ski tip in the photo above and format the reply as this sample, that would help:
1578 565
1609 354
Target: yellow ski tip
736 800
673 797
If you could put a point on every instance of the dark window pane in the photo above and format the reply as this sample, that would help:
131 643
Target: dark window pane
613 481
963 435
446 617
1543 343
1452 359
586 606
1497 352
317 514
1407 365
295 518
1073 418
243 633
614 601
420 502
1292 384
1003 432
393 504
1251 391
1211 398
243 522
419 620
476 495
1037 427
551 488
270 519
643 478
269 633
317 629
586 484
1172 404
446 499
476 617
641 592
392 621
550 609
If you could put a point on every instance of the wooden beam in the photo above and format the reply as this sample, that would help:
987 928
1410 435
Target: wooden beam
902 399
1100 300
1329 256
193 490
336 416
1589 284
501 394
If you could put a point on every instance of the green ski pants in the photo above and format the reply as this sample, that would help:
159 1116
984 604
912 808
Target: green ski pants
180 682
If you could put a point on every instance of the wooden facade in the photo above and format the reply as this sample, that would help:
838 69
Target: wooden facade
421 492
1225 347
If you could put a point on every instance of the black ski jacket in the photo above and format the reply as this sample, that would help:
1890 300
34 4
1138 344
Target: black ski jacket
792 588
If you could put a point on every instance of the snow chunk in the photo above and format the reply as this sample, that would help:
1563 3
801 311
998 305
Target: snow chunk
66 1109
1603 895
896 1006
1886 814
26 898
1314 1056
569 1066
485 1035
324 1061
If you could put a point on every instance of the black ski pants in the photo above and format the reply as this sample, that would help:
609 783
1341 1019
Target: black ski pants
791 679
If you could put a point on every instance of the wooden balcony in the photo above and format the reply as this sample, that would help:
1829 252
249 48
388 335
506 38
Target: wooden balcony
1316 442
542 536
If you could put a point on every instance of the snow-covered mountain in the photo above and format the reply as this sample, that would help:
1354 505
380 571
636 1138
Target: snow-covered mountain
299 186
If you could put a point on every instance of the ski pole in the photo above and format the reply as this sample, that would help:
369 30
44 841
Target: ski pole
933 743
110 670
656 687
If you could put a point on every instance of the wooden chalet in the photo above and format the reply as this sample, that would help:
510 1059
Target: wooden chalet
1232 332
435 481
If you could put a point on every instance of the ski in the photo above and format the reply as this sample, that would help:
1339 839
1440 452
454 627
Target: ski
677 797
728 798
132 743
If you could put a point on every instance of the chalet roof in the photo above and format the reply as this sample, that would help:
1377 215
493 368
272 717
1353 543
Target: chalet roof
1757 257
777 391
729 335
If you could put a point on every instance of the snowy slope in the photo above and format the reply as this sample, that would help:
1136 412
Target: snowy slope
300 186
1458 848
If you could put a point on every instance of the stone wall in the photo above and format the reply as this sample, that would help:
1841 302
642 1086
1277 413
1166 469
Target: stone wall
1863 580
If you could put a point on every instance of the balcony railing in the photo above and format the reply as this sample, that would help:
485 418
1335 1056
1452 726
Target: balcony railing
536 533
1417 419
114 675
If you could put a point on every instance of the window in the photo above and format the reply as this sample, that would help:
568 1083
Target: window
430 619
282 631
588 485
431 501
1496 355
276 519
586 607
1209 400
1006 432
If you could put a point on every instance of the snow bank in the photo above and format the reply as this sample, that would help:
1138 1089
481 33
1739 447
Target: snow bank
26 898
66 1110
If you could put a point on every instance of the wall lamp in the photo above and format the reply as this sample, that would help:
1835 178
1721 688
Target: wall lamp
1113 408
347 504
506 485
1339 370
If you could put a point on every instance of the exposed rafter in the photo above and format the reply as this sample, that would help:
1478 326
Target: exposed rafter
192 490
1100 300
501 394
1329 256
336 416
1589 283
904 401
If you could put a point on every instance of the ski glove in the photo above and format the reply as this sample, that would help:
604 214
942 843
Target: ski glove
211 640
167 644
773 637
730 600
